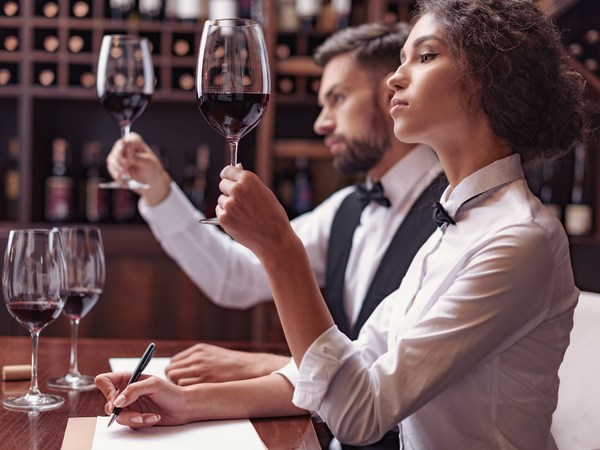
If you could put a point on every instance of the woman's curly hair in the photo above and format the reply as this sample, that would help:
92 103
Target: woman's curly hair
531 94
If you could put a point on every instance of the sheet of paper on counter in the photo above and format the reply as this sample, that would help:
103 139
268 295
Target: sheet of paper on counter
217 435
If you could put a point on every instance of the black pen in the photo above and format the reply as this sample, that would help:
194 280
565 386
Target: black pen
141 365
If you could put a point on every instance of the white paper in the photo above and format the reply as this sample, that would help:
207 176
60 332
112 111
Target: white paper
217 435
156 366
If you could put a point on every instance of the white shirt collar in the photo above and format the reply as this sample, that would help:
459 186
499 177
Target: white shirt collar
403 176
485 180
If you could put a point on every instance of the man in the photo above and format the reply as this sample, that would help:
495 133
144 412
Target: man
359 243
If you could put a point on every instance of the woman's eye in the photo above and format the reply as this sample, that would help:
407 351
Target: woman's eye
426 57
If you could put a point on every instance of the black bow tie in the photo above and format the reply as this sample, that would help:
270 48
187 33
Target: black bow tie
375 194
440 215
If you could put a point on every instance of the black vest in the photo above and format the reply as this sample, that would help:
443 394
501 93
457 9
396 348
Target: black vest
412 233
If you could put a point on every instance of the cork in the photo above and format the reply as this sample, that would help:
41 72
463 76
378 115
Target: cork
14 373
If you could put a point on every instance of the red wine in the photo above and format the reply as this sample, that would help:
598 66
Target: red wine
232 114
34 315
125 106
80 301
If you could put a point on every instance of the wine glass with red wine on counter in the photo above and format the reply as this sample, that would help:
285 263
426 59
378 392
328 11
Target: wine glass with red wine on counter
233 83
34 284
84 254
125 84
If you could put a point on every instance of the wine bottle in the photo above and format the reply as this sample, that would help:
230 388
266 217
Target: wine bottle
222 9
546 192
50 9
195 183
186 81
81 9
60 185
189 11
285 85
342 10
120 9
181 46
10 8
46 77
578 215
123 205
11 42
75 43
287 18
95 199
284 186
303 189
283 51
12 181
150 10
6 76
51 43
308 10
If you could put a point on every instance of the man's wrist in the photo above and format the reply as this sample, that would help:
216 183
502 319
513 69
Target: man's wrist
159 190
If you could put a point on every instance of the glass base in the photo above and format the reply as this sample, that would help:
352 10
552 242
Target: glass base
211 221
71 383
124 184
39 402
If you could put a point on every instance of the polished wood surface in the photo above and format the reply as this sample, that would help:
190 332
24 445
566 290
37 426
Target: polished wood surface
45 430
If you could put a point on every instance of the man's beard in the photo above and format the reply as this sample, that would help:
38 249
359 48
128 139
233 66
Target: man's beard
363 153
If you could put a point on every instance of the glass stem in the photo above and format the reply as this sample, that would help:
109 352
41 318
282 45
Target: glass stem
233 147
125 129
73 369
33 388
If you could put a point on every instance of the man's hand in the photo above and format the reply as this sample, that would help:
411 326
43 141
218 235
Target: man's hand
137 159
147 402
205 363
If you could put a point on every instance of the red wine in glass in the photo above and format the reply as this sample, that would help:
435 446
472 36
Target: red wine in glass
233 114
125 106
84 253
233 82
80 301
124 83
34 287
35 315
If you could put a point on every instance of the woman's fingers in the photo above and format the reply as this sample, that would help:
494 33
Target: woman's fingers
137 420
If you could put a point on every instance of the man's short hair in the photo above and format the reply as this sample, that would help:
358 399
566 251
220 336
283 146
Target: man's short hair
376 46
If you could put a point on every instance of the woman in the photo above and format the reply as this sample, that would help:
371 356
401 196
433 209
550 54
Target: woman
465 354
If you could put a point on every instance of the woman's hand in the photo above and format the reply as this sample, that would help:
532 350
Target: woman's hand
137 158
147 402
251 214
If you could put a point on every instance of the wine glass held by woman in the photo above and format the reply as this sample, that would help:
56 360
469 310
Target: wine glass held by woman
233 81
34 284
482 318
125 84
84 254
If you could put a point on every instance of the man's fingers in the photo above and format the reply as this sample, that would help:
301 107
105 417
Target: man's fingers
232 173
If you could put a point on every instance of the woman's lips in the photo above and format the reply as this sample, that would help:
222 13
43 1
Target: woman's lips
397 105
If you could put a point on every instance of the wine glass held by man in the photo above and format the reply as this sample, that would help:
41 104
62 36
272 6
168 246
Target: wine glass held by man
84 253
482 319
34 284
125 84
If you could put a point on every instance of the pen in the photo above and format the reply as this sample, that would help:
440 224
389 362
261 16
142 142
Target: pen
141 365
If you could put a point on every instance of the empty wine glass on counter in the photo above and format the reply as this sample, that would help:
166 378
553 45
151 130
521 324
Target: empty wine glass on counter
34 283
125 84
233 82
84 254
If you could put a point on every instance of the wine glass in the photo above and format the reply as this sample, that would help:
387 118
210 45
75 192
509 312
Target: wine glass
84 254
125 84
232 80
34 283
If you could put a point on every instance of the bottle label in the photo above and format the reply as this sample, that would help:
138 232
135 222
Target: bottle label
59 198
123 205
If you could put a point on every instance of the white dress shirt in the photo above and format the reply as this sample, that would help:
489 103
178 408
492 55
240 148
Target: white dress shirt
465 354
231 276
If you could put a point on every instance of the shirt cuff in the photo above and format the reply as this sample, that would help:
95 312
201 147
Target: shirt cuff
290 371
318 367
174 205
